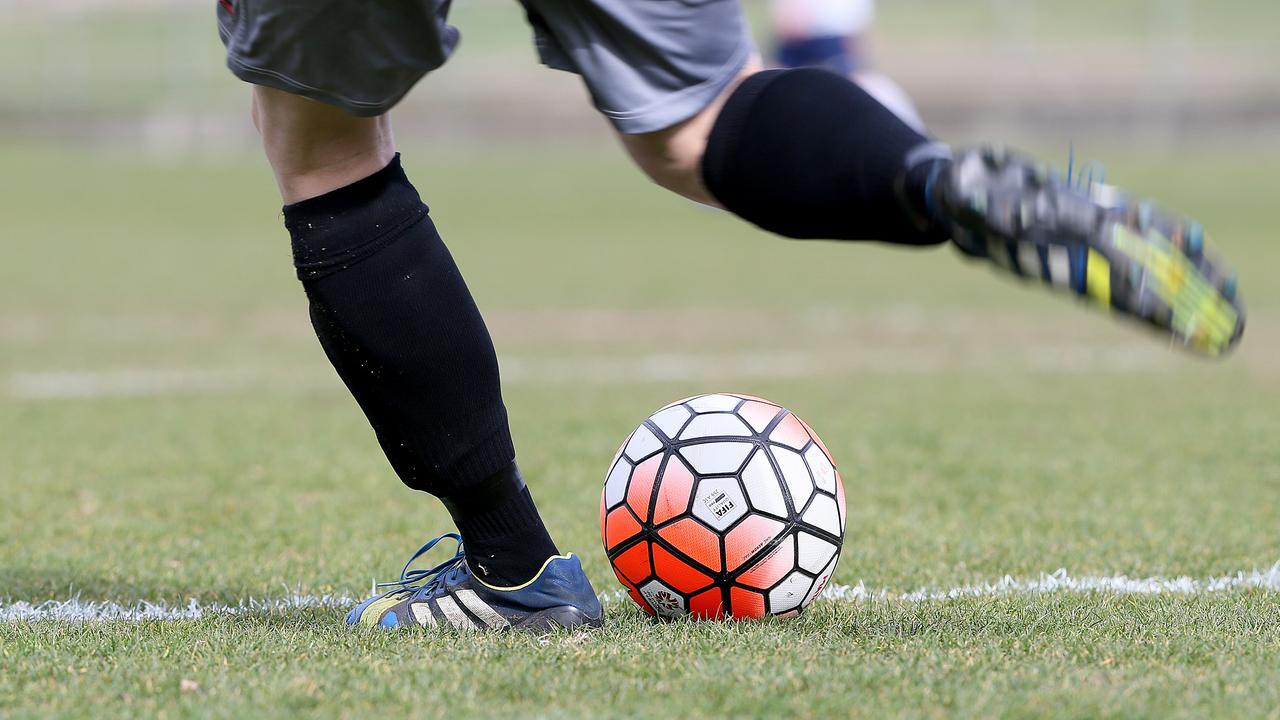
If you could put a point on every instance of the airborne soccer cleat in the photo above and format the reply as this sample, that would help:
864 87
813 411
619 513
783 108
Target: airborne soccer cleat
449 596
1123 254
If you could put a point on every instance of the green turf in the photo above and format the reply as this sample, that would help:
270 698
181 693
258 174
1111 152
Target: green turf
982 429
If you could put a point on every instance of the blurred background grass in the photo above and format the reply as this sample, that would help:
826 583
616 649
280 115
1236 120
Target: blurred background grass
1159 72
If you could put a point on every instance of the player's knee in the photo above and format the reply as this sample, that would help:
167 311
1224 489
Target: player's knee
672 157
314 147
300 130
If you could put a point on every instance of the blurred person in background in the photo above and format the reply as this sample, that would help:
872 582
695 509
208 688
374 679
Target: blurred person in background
835 34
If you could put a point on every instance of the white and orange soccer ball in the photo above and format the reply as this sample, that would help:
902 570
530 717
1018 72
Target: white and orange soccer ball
723 506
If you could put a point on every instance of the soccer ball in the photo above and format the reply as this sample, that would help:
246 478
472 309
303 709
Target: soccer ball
723 506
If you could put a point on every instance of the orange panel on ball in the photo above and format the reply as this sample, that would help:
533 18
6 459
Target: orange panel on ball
745 604
757 414
748 537
634 563
818 440
707 605
754 398
604 537
673 491
694 540
644 604
640 486
620 526
770 570
790 432
677 573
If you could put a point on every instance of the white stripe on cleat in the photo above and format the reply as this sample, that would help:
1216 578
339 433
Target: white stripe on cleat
454 614
481 609
422 613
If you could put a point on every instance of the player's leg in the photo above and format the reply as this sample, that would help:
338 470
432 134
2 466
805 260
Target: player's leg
806 153
315 148
672 156
397 322
802 153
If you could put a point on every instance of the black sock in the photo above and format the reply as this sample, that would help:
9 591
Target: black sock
808 154
399 325
506 542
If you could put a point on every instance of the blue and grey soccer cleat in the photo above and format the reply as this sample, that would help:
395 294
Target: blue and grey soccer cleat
1093 241
448 595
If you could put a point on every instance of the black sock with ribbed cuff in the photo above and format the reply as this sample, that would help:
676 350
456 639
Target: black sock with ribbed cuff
503 535
395 317
399 325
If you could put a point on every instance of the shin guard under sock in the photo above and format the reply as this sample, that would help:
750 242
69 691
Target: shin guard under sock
399 325
808 154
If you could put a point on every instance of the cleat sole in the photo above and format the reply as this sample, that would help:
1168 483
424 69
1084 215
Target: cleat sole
564 617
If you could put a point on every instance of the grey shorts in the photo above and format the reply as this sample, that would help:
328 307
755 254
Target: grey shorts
648 64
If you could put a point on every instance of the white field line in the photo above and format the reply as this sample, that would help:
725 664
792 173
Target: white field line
1060 581
657 367
663 367
587 370
1057 582
77 610
134 382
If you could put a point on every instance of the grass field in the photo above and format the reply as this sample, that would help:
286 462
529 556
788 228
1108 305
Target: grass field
170 432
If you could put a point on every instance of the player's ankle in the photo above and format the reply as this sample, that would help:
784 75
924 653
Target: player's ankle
921 181
505 540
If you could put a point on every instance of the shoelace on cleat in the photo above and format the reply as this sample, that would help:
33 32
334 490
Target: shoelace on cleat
1081 181
448 572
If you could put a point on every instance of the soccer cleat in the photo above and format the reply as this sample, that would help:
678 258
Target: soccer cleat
449 596
1123 254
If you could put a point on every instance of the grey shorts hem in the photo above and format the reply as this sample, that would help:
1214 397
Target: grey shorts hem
682 104
374 101
271 79
551 56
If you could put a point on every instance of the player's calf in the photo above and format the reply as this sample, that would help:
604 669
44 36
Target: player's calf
397 321
809 154
399 325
